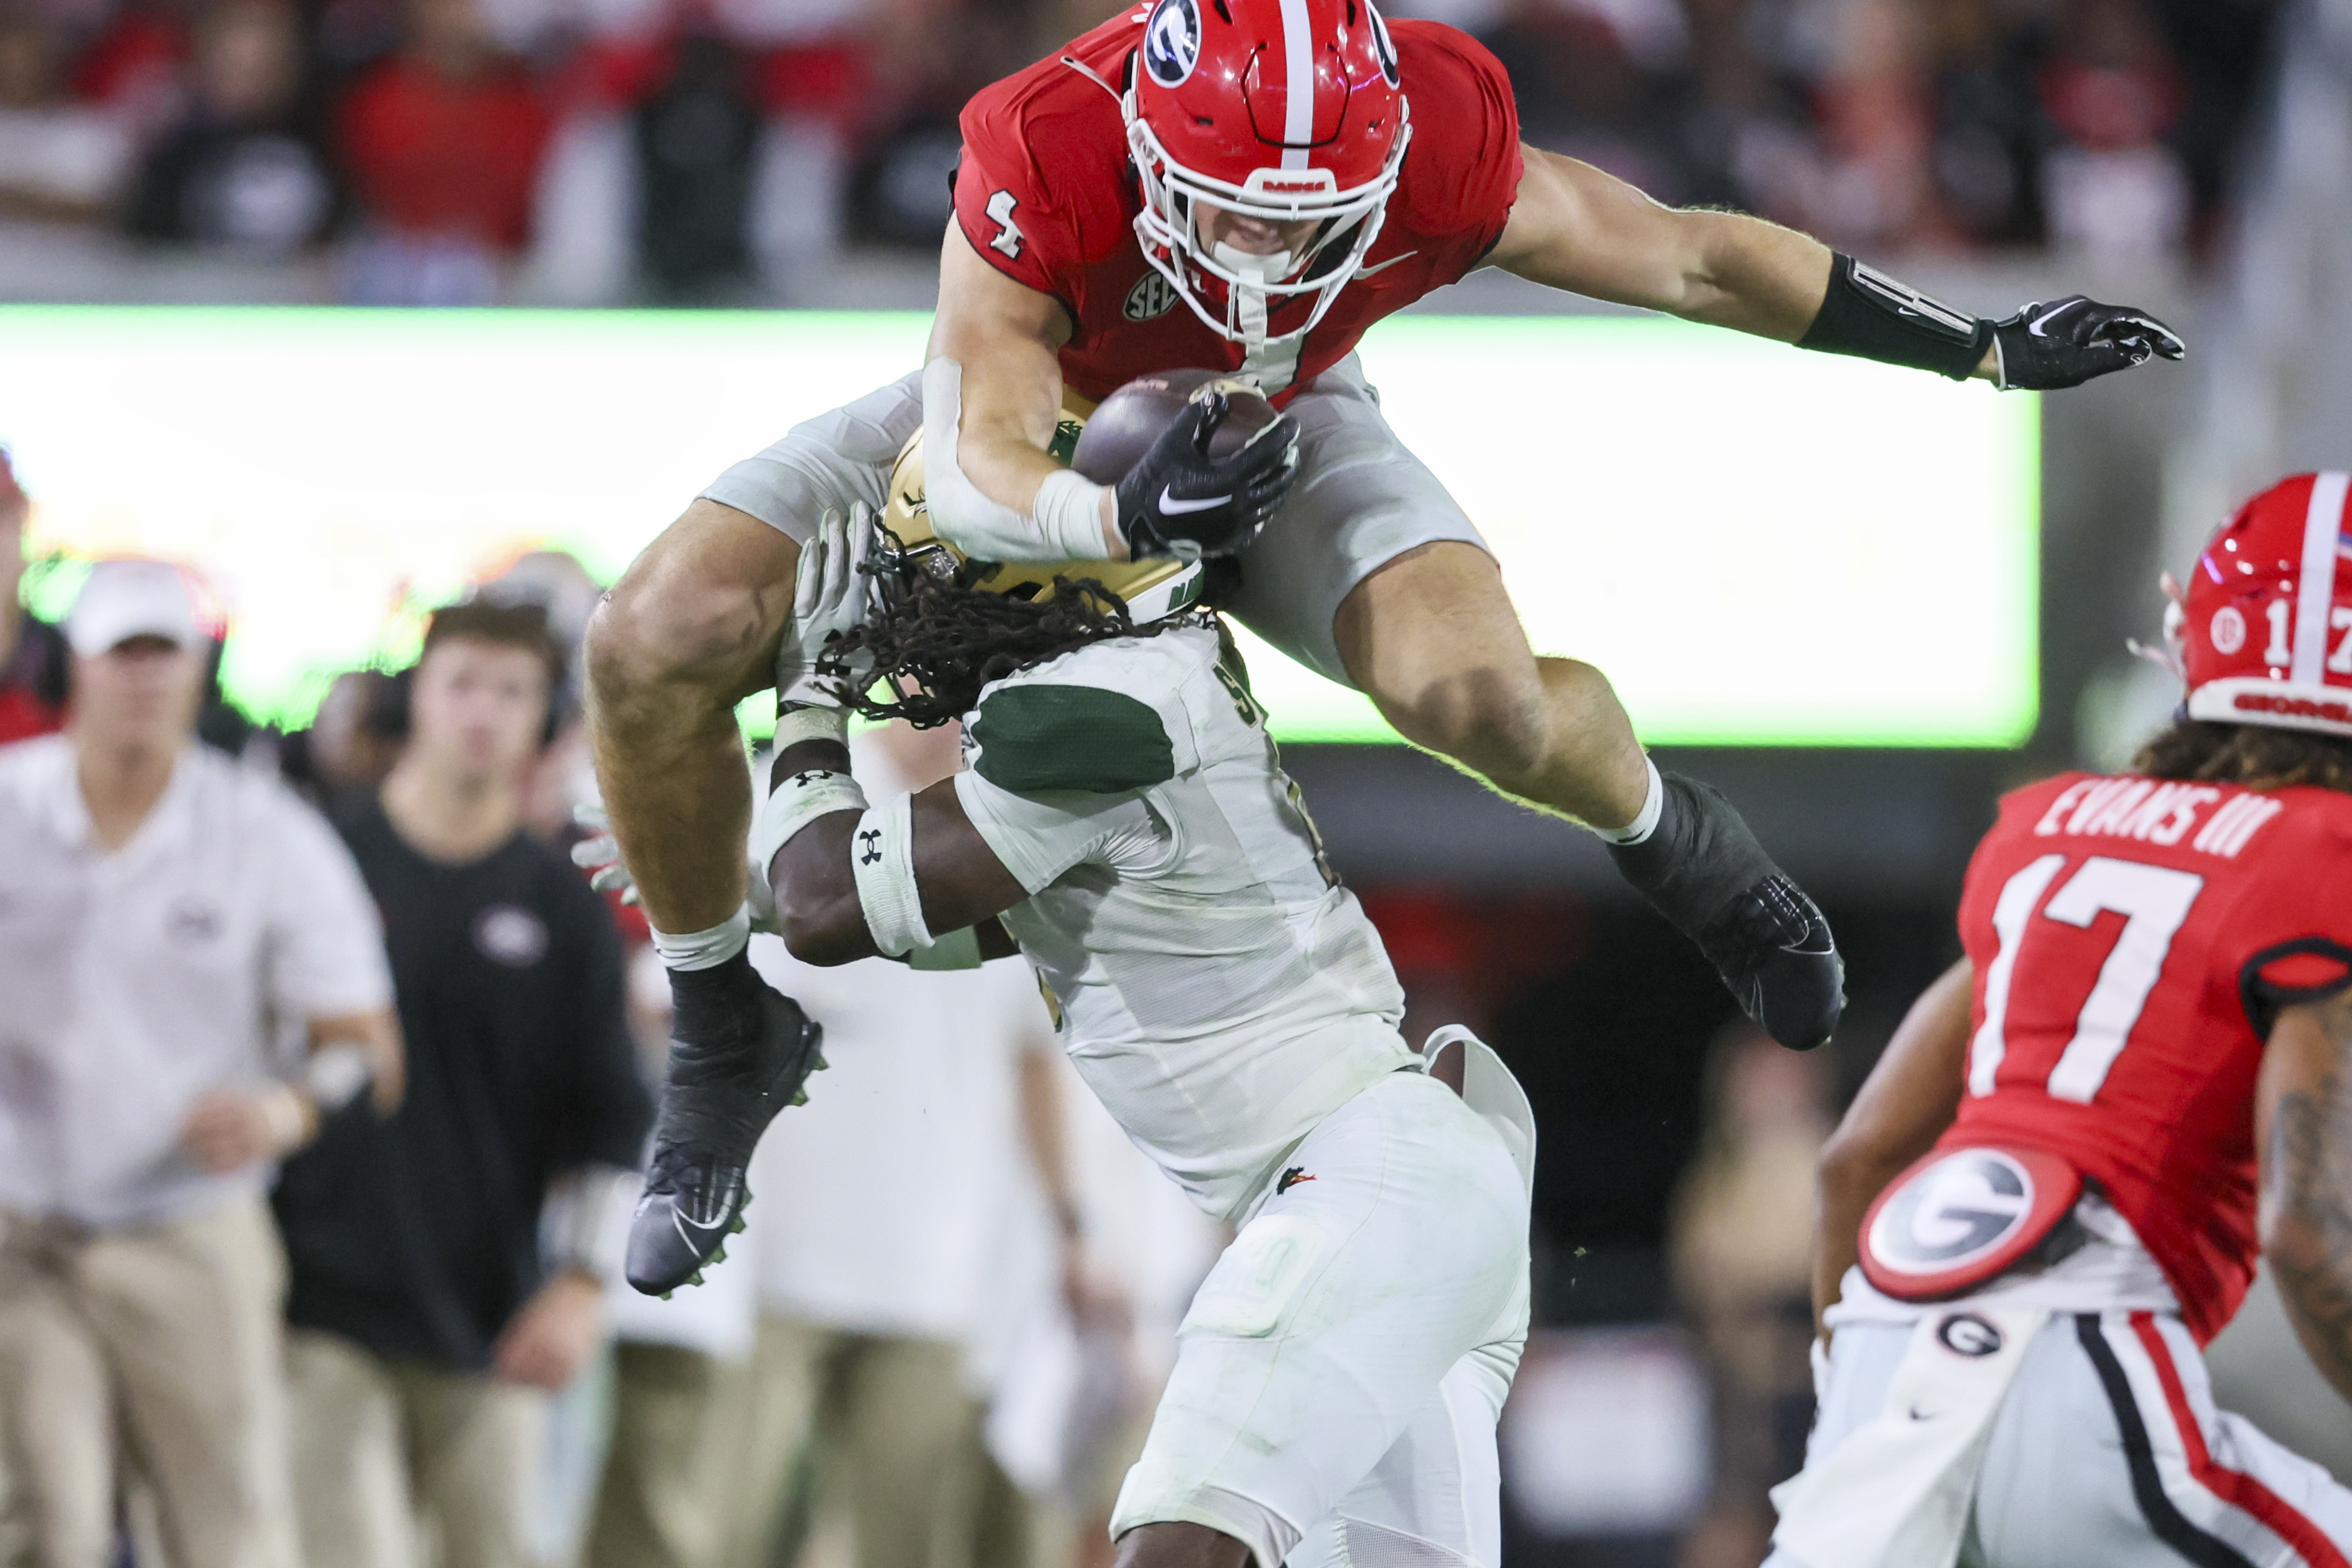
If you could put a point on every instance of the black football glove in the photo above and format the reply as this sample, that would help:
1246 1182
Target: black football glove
1179 501
2068 341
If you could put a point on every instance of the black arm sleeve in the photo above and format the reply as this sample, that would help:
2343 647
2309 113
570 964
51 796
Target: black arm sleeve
1872 316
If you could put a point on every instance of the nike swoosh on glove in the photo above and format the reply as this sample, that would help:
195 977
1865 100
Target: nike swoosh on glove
2044 347
1179 500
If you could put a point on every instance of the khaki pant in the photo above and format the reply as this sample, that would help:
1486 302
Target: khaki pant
153 1351
668 1495
390 1454
887 1421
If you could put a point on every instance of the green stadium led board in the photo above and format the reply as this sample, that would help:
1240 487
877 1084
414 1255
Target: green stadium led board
1760 547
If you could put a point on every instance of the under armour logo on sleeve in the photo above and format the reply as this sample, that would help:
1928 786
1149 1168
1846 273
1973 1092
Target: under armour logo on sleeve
869 843
1008 235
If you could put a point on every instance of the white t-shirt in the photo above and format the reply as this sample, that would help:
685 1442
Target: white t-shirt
874 1205
1220 992
133 981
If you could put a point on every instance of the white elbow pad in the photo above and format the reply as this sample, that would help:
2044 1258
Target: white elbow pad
1067 525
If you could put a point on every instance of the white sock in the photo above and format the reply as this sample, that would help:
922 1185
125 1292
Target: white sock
1645 821
705 949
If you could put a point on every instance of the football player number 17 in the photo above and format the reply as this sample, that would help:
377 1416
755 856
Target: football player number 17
2154 902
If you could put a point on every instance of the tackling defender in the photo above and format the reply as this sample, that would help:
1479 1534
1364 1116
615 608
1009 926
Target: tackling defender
2136 1079
1125 821
1248 185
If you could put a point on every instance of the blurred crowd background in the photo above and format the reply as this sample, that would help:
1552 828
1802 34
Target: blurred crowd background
596 152
2194 156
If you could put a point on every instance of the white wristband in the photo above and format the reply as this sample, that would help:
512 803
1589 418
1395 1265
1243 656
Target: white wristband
798 800
882 858
959 949
1065 523
1069 511
810 721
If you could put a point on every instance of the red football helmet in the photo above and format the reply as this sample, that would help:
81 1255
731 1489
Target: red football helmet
1278 110
2265 629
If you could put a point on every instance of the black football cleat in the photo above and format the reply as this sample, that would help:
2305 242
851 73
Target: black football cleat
740 1051
1704 871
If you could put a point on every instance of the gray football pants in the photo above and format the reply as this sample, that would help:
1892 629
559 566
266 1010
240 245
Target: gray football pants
1361 500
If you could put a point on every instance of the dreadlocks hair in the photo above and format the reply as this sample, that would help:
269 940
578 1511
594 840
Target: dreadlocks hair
936 642
2260 755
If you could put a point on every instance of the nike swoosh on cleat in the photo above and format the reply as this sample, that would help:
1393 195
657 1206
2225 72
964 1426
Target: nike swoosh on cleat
1174 507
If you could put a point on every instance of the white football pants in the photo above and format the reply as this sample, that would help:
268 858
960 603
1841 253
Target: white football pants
2107 1451
1339 1375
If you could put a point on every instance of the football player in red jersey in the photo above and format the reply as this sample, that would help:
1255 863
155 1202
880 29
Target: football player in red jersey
1243 185
2052 1189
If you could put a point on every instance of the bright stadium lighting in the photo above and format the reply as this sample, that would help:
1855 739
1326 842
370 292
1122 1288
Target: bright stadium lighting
1761 548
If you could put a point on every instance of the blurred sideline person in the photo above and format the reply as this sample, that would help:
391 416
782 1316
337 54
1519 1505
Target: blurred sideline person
1740 1245
161 908
32 652
2054 1186
426 1321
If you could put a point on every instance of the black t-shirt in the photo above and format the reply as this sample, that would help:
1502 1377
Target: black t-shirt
419 1235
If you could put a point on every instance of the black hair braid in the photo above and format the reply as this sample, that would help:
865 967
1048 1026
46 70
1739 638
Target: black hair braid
935 644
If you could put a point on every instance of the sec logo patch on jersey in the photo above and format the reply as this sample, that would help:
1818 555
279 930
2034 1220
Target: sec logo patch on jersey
1152 297
1961 1216
1172 41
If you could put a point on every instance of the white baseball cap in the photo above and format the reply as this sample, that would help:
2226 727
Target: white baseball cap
127 599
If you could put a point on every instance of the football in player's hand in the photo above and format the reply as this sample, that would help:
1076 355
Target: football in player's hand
1122 429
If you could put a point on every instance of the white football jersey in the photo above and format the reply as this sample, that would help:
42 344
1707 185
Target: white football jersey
1216 987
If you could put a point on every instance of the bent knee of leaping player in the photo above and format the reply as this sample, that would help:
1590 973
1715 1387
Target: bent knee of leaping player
698 613
1487 712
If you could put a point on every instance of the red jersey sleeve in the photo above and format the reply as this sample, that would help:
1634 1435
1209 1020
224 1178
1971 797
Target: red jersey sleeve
2291 930
1001 200
1041 186
1461 170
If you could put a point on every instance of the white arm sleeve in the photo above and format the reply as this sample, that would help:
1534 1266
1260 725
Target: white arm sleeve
1039 836
1068 521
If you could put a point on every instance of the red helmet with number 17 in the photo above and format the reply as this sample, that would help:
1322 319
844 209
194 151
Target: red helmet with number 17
2265 629
1283 110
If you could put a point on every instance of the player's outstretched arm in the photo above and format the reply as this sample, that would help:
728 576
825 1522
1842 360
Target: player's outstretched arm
2303 1130
822 907
1910 1097
1576 228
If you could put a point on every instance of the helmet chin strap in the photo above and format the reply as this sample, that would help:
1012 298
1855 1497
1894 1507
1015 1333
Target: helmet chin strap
1249 312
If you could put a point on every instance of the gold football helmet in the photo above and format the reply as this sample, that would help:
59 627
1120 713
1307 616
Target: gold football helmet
1153 590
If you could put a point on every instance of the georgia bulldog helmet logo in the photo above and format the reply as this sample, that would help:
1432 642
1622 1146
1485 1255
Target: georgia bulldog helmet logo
1172 41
